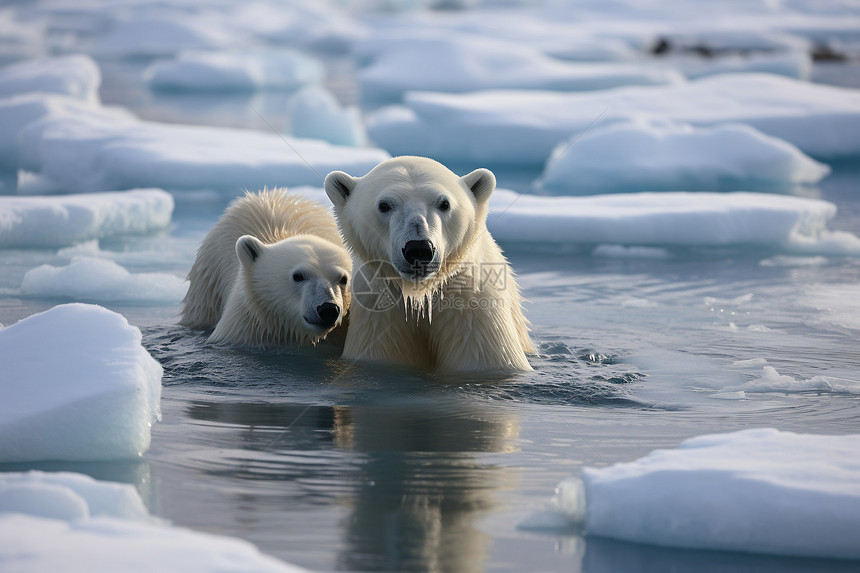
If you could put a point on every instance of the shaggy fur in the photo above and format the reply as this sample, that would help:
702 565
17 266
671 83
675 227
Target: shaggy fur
241 279
464 313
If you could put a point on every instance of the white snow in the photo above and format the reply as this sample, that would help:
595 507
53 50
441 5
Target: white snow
247 70
666 156
68 496
76 75
760 491
77 385
316 114
65 220
462 63
89 279
74 154
676 219
520 127
70 522
793 64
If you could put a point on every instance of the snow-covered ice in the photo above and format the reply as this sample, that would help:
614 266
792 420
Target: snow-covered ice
77 385
519 127
316 114
74 154
88 279
452 63
64 220
759 491
76 75
70 522
666 156
235 71
676 219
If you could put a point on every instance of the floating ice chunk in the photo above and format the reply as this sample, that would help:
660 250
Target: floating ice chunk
165 35
62 221
759 491
90 279
316 114
235 71
772 381
67 496
460 63
670 219
19 111
522 127
33 545
666 156
71 522
78 154
77 76
77 385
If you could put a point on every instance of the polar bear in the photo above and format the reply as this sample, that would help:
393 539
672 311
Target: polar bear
435 290
273 271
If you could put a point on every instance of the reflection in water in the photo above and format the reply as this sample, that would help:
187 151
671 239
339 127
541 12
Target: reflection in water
417 480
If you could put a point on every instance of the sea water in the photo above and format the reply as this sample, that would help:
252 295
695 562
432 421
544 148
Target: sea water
340 466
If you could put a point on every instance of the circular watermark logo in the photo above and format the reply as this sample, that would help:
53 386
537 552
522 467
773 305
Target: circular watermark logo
375 286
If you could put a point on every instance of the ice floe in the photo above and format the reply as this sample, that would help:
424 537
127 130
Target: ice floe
78 385
758 491
665 156
89 279
675 219
70 522
34 222
235 71
452 63
518 127
76 75
74 154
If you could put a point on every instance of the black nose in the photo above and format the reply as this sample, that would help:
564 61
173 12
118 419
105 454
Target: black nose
328 313
418 253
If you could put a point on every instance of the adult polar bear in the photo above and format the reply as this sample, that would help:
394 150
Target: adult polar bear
420 232
273 271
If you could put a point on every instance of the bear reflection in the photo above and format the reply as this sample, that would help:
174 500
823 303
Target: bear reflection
413 471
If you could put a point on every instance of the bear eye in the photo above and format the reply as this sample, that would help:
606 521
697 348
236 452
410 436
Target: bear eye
298 277
344 279
444 205
384 207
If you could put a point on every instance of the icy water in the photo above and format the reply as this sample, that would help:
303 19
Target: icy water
338 466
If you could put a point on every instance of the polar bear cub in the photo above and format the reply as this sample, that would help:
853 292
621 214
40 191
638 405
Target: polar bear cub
435 290
273 271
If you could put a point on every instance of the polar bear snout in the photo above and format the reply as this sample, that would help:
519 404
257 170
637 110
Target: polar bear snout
328 313
419 253
419 260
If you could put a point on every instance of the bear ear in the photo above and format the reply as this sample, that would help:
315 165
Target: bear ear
338 186
248 249
481 182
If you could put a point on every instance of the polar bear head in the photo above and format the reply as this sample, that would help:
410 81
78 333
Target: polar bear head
300 285
412 213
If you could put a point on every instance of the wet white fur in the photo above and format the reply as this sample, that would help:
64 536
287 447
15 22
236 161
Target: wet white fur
449 322
253 301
